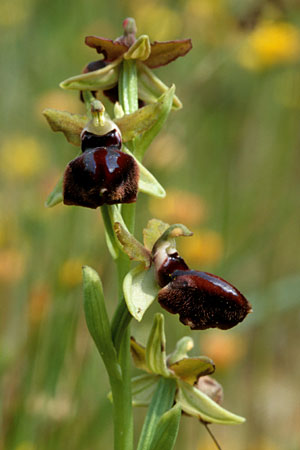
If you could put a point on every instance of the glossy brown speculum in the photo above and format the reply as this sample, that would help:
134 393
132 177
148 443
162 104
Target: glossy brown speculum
203 300
171 263
90 141
101 176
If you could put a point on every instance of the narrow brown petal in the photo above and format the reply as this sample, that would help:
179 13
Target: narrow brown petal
109 48
163 53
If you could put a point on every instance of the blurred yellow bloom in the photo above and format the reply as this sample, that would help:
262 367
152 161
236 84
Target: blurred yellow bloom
270 44
223 349
12 265
58 99
21 157
157 20
205 247
179 207
38 303
70 273
166 153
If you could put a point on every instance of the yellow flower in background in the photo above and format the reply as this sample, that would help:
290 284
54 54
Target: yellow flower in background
206 247
179 207
70 273
38 305
271 43
166 153
58 99
157 20
22 157
12 265
224 349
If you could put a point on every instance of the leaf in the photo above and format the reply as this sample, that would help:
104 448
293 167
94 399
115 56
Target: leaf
142 389
69 124
151 87
140 121
147 182
195 403
165 52
144 141
133 248
167 430
56 195
111 241
161 402
98 322
104 78
155 228
190 369
138 353
156 348
183 346
140 290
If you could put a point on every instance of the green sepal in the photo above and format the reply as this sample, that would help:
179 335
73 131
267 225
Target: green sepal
151 87
183 346
131 246
156 348
141 49
195 403
154 229
190 369
142 389
170 234
167 430
144 119
98 322
148 184
104 78
162 401
140 290
56 195
165 102
69 124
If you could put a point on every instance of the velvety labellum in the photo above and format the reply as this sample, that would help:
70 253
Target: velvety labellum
90 141
171 263
101 176
203 300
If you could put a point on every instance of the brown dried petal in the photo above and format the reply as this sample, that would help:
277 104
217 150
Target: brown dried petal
163 53
109 48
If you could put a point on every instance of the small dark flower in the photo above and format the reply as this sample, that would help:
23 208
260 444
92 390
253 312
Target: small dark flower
103 175
203 300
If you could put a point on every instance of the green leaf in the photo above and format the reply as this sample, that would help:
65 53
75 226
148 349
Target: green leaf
156 348
132 247
144 141
56 195
98 322
190 369
167 430
111 241
151 87
104 78
147 182
161 402
138 353
183 346
140 290
195 403
69 124
144 119
154 229
142 388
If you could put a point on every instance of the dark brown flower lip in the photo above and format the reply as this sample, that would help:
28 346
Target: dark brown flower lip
171 263
101 176
203 300
162 53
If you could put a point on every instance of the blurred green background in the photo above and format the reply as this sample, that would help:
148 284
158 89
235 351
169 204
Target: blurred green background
230 163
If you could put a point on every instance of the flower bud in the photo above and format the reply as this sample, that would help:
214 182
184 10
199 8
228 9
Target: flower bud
101 176
203 300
